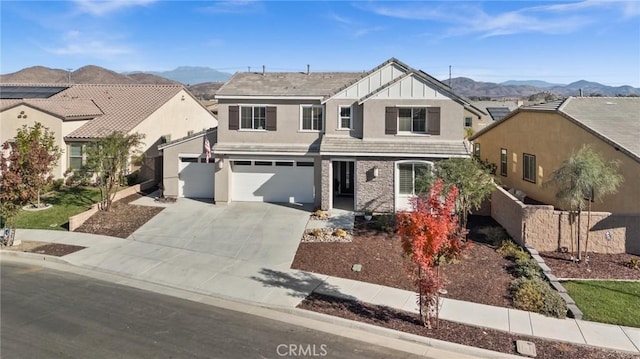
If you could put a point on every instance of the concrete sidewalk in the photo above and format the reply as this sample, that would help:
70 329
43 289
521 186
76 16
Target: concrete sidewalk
284 288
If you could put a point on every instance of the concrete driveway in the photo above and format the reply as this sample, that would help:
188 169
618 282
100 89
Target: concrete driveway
264 234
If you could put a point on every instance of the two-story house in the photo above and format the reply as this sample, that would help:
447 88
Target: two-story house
354 140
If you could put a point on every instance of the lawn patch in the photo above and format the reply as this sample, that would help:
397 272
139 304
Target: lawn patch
66 202
614 302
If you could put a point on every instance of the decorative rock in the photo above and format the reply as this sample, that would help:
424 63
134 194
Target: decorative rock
526 348
356 267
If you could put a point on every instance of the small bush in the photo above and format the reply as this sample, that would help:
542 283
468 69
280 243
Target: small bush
386 222
320 214
317 232
57 184
511 250
536 295
340 233
527 267
632 263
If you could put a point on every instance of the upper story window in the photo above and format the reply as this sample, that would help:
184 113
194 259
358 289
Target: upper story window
412 119
345 121
408 120
253 117
76 156
311 118
529 167
468 122
247 117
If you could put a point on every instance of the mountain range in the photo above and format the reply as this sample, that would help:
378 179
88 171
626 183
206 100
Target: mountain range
204 82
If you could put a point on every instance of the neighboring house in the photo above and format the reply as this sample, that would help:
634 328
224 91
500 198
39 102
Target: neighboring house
496 110
532 142
355 140
80 113
187 172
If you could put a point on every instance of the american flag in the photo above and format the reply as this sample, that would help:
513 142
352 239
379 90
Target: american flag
207 149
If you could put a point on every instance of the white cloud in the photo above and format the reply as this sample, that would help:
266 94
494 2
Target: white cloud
76 43
471 18
102 7
353 27
234 7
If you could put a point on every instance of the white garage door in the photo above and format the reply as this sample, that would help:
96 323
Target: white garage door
273 181
195 178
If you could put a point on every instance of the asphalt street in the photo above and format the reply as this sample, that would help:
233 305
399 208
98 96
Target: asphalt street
52 314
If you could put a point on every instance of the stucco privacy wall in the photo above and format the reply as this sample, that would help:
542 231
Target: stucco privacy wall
546 229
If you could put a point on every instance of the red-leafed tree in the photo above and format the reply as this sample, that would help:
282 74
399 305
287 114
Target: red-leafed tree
431 235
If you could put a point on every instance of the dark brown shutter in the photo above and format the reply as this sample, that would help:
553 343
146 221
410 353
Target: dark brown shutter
234 118
433 121
391 121
271 118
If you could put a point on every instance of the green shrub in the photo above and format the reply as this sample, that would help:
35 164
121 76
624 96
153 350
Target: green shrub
512 251
536 295
527 267
57 184
386 222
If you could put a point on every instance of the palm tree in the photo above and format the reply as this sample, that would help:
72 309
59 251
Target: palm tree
581 179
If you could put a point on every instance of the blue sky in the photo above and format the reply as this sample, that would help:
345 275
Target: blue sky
495 41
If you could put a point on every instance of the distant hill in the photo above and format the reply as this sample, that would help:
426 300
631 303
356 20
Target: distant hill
85 75
534 83
470 88
203 82
191 75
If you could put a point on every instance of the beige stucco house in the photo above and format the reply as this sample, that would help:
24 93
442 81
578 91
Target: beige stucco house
530 143
335 139
81 113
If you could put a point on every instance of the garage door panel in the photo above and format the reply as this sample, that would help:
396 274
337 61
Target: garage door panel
196 180
273 184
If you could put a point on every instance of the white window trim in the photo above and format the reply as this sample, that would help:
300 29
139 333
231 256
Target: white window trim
240 106
300 129
413 133
398 196
83 156
340 128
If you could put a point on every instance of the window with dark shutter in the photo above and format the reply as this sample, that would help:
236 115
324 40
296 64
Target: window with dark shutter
391 121
433 121
271 118
234 118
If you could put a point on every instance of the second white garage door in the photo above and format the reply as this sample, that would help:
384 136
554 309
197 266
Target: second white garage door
273 181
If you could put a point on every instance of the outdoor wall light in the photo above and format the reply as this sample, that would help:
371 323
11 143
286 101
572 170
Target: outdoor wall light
376 172
220 163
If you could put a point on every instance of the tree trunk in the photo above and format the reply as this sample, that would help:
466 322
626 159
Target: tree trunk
578 236
586 242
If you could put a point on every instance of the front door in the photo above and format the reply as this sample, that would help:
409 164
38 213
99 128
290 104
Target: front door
346 178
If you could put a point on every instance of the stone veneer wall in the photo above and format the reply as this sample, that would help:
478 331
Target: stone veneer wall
325 181
546 229
375 194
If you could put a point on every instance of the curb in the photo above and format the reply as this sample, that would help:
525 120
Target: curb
34 256
396 340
